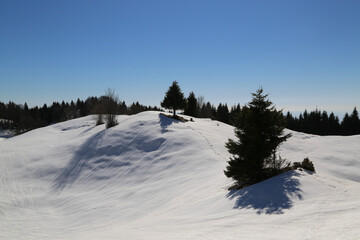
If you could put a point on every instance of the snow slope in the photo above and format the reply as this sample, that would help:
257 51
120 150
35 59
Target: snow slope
5 134
151 177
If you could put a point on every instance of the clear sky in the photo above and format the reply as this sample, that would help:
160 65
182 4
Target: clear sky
304 53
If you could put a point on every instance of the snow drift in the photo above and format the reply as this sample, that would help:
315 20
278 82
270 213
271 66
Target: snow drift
151 177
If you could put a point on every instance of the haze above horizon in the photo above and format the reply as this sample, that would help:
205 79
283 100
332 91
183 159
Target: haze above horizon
305 54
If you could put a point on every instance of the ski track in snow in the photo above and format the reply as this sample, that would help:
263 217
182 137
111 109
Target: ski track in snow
152 177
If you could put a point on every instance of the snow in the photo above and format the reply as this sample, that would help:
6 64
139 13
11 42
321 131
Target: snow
4 134
151 177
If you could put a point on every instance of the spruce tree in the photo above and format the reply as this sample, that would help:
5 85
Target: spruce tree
259 129
192 106
346 126
334 125
222 113
174 98
235 110
355 122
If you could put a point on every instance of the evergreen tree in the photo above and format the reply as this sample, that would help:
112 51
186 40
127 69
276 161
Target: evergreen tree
234 112
324 123
192 106
346 125
174 98
208 111
122 108
355 121
135 108
259 129
290 121
334 126
222 113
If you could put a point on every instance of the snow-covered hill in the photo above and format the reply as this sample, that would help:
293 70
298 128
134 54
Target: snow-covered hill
151 177
4 134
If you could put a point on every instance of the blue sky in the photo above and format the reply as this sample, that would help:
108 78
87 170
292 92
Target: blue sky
304 53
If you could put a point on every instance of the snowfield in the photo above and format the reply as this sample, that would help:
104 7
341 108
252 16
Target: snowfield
152 177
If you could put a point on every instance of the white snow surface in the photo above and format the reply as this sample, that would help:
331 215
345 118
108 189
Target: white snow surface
151 177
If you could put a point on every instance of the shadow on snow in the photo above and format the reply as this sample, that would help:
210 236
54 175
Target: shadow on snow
89 157
271 196
165 122
98 157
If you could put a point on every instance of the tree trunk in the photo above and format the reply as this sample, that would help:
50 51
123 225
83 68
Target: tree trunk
174 112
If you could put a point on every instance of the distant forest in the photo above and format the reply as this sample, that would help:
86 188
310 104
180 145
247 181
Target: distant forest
20 118
321 123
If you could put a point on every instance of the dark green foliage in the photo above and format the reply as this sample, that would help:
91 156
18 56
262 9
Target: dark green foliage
320 123
305 164
192 106
297 165
174 99
122 108
234 112
222 113
208 111
259 129
308 165
351 123
21 118
135 108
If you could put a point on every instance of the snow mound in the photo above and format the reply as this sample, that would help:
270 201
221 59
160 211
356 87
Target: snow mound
152 177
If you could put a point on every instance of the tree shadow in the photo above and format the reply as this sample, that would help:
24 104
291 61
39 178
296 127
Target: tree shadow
107 153
271 196
90 157
165 122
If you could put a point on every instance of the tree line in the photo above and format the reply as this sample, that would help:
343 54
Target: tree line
321 123
20 118
197 107
316 122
